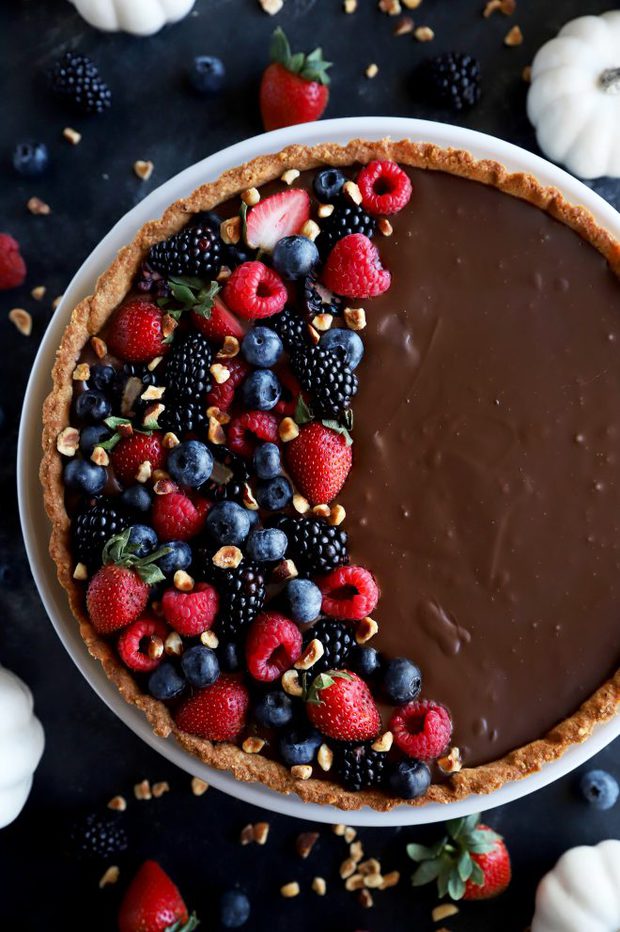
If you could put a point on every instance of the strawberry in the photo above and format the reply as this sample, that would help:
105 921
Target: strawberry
130 452
217 712
153 903
119 592
254 290
354 269
136 333
293 87
191 613
12 266
319 460
177 516
282 214
341 706
219 324
471 862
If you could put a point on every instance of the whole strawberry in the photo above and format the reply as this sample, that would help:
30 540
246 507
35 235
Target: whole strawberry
119 592
153 903
319 461
341 706
131 452
217 712
218 323
136 334
294 88
470 863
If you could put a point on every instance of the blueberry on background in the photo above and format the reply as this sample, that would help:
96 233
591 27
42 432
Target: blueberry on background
345 344
165 682
142 540
207 75
84 476
200 666
267 461
402 680
267 545
295 256
261 347
274 709
275 493
261 390
304 599
234 909
190 463
136 497
92 436
179 557
364 660
228 523
327 184
30 158
102 377
298 746
599 788
92 406
409 779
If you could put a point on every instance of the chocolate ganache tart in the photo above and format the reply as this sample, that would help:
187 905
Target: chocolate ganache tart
331 461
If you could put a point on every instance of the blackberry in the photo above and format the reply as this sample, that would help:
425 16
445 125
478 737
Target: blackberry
451 80
313 545
187 367
195 250
328 379
345 219
153 282
230 473
320 300
241 590
290 327
76 78
181 416
98 837
360 768
93 528
337 640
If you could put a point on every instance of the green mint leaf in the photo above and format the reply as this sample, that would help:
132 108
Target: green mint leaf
426 873
110 443
114 422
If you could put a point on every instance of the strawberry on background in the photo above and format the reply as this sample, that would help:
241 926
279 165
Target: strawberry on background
294 87
153 903
319 460
341 706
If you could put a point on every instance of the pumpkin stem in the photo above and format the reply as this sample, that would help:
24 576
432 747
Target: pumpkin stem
610 80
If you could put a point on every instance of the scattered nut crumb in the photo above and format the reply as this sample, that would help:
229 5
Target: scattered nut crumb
153 393
155 650
513 37
444 911
383 743
371 866
36 206
165 487
319 886
352 191
305 843
452 762
347 868
143 169
253 745
325 757
355 318
411 4
153 364
301 771
349 6
173 645
55 304
160 788
365 630
251 197
325 210
372 70
220 373
271 6
68 441
118 803
310 230
337 514
229 348
390 880
199 787
349 834
38 293
288 429
246 836
424 34
526 74
290 175
80 572
261 832
507 7
373 881
365 898
314 334
404 26
209 639
22 320
100 457
72 135
313 652
385 227
283 571
230 230
322 322
391 7
170 440
354 882
227 558
290 889
356 850
142 790
183 581
216 432
300 504
110 876
81 373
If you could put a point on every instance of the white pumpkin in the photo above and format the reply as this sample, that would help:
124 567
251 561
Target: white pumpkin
21 745
574 98
582 892
140 17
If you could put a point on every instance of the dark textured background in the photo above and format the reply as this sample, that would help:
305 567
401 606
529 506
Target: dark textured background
90 755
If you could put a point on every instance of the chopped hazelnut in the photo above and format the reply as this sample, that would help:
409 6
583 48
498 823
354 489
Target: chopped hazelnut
199 787
153 364
100 457
513 37
526 74
390 880
391 7
404 26
319 886
38 293
110 876
310 230
247 835
356 850
220 373
349 834
283 571
451 762
350 6
22 320
222 417
322 322
325 758
118 803
288 430
385 227
183 581
371 866
81 373
354 882
261 832
142 790
305 843
384 742
290 175
290 889
68 441
365 630
80 572
253 745
227 558
352 191
339 829
365 898
300 504
160 788
411 4
313 652
325 210
215 432
321 511
143 169
372 70
173 645
57 301
424 34
373 881
155 648
347 868
337 514
99 346
153 393
444 911
248 498
251 197
301 771
168 325
72 135
165 487
230 230
209 639
144 473
170 440
229 348
38 207
355 318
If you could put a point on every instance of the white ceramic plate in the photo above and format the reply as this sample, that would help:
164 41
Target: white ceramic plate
34 521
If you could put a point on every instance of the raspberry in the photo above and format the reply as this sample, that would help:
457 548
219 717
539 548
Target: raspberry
253 291
178 517
136 333
354 269
245 431
422 729
12 266
129 454
385 187
217 712
273 645
134 641
349 592
222 396
191 613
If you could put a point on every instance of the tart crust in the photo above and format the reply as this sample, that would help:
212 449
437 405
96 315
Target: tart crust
90 316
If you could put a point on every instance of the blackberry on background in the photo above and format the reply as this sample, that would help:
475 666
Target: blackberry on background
229 476
320 300
93 527
76 78
359 767
346 218
98 837
290 327
337 639
241 591
181 416
313 545
187 367
327 378
451 80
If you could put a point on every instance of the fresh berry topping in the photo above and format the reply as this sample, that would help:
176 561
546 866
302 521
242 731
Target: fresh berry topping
360 768
409 779
187 368
91 436
93 528
328 380
275 217
153 903
177 517
92 406
249 428
346 345
219 324
206 75
136 334
142 540
200 666
12 266
218 712
422 729
274 494
340 705
319 460
272 646
234 909
337 639
294 86
327 184
365 660
317 299
294 257
229 477
292 330
229 655
385 187
261 390
299 745
262 347
190 463
291 390
267 545
254 290
313 545
599 789
266 461
222 396
228 523
402 680
349 592
84 476
304 602
131 452
116 596
30 158
190 613
103 377
133 644
76 79
451 80
493 864
241 591
345 220
354 269
274 709
195 251
182 416
177 557
98 836
165 682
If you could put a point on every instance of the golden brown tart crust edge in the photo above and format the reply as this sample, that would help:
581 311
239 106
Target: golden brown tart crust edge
90 316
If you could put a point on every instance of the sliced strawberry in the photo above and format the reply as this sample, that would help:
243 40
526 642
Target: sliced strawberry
220 324
280 215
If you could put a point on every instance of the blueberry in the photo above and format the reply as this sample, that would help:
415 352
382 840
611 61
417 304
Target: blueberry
137 497
200 666
298 746
304 599
92 406
409 779
274 709
165 682
179 557
92 436
364 660
345 344
262 347
207 75
328 184
261 390
402 681
599 789
102 377
267 545
30 158
84 476
142 540
211 218
229 657
234 909
267 461
190 463
295 256
254 518
275 493
228 523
